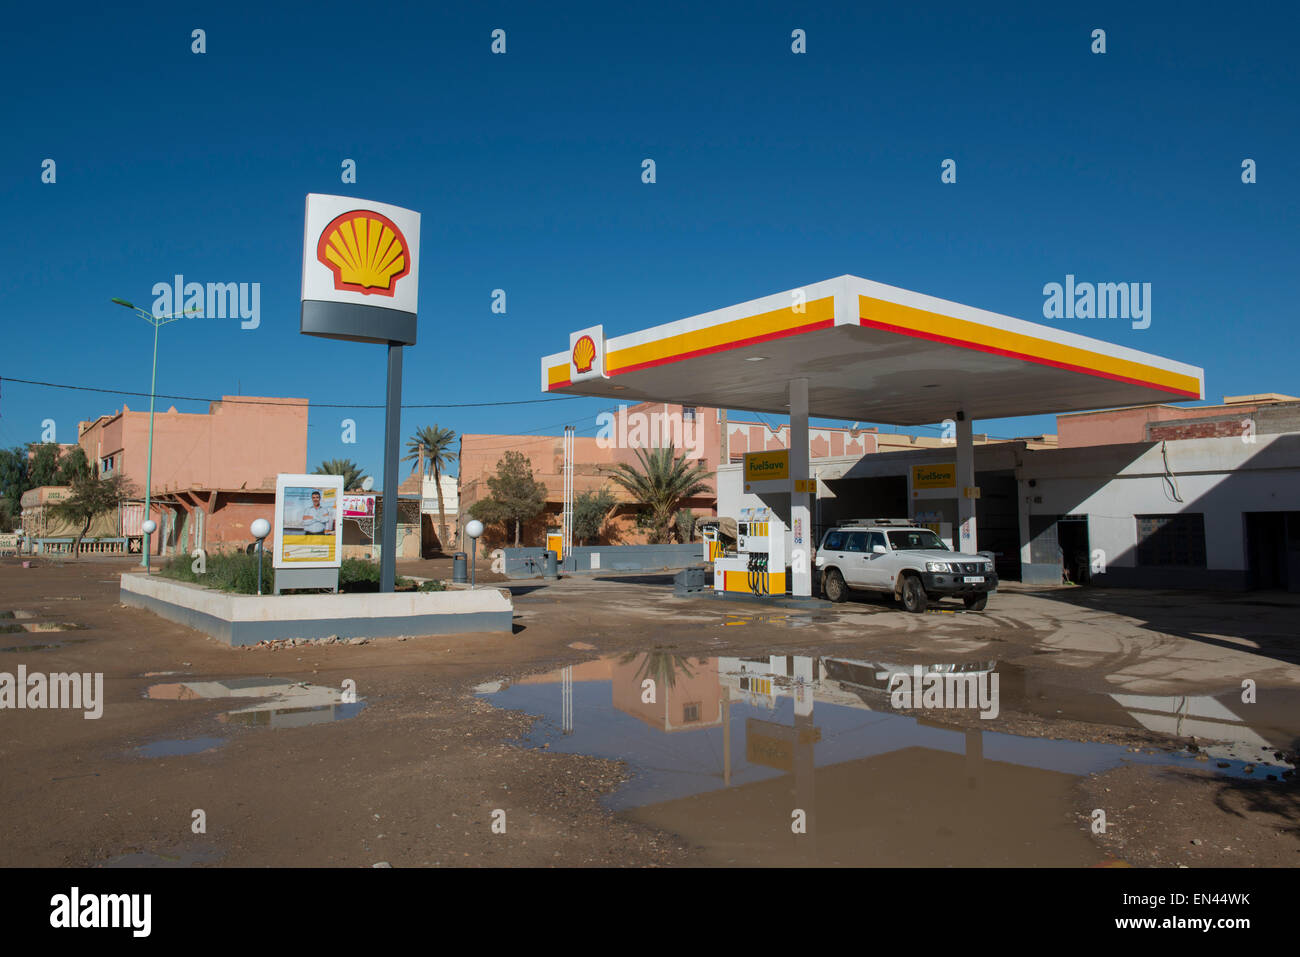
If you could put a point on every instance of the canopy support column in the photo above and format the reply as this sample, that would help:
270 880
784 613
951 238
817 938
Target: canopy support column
800 517
966 538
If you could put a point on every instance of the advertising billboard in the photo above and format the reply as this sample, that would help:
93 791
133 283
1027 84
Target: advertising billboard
308 526
358 506
360 270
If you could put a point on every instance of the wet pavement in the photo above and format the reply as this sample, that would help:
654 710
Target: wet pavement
735 753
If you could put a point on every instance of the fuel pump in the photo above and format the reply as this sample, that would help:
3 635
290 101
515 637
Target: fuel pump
758 567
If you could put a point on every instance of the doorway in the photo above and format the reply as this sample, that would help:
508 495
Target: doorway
1273 550
1076 556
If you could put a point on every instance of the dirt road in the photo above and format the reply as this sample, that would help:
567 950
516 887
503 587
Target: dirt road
423 771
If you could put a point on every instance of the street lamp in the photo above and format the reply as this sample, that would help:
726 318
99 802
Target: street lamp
148 528
154 321
260 529
474 529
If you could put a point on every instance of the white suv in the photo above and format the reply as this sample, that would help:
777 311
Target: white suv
903 560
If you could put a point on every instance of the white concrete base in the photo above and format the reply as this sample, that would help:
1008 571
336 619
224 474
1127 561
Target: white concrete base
248 619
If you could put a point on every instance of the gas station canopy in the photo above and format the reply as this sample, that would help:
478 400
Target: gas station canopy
869 352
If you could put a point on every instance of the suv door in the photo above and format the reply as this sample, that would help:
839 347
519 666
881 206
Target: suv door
854 565
831 554
877 570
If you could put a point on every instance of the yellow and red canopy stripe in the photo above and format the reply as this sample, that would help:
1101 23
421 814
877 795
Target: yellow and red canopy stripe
734 334
911 321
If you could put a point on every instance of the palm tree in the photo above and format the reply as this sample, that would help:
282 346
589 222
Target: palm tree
430 448
662 483
353 474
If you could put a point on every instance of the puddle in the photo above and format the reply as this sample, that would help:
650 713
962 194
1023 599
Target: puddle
288 704
729 749
176 747
798 620
171 857
43 646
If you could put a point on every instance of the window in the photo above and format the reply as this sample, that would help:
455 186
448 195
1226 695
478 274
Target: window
857 542
1171 539
691 713
874 539
834 542
106 465
918 538
688 413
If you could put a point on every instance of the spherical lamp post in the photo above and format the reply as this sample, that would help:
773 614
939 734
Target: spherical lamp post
149 527
260 529
474 529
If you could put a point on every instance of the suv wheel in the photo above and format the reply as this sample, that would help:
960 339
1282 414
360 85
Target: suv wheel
834 587
976 602
914 596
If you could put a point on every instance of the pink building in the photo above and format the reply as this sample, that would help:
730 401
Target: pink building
213 472
1148 423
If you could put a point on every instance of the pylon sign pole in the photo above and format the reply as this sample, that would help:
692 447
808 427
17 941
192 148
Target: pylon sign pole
392 445
360 282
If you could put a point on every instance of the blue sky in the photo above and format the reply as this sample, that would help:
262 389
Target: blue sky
774 170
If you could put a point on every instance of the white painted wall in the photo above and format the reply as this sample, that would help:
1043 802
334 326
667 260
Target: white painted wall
450 502
1220 478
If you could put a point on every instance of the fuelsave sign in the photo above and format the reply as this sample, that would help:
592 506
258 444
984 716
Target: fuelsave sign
934 476
360 270
766 466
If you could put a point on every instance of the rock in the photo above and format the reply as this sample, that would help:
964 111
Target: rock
382 864
1196 840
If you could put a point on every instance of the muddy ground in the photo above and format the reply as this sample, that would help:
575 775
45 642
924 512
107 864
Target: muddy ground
415 778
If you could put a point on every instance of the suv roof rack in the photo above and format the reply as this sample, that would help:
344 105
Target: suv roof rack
900 522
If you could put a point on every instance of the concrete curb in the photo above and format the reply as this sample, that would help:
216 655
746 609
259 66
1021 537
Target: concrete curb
247 619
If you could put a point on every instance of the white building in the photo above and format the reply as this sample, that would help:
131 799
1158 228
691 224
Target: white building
1214 512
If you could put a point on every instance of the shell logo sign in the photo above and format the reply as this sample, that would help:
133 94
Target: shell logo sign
587 354
584 353
366 251
360 270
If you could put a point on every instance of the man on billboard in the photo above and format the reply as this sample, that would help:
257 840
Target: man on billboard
317 520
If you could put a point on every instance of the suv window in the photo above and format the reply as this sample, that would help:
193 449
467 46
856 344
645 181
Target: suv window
921 538
874 539
834 542
856 542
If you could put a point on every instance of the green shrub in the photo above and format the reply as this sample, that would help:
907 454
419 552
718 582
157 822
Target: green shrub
226 571
237 572
353 570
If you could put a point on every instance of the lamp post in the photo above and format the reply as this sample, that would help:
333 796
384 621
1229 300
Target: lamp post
260 529
154 321
474 529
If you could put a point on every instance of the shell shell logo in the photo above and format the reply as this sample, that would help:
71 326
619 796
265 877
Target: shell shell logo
584 353
366 252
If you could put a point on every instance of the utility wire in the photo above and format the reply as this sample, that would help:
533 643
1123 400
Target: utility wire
318 405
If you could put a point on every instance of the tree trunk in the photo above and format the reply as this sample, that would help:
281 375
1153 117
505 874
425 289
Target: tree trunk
442 512
76 542
516 533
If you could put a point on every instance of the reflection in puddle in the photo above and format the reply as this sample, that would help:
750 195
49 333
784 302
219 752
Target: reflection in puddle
289 704
726 751
174 747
